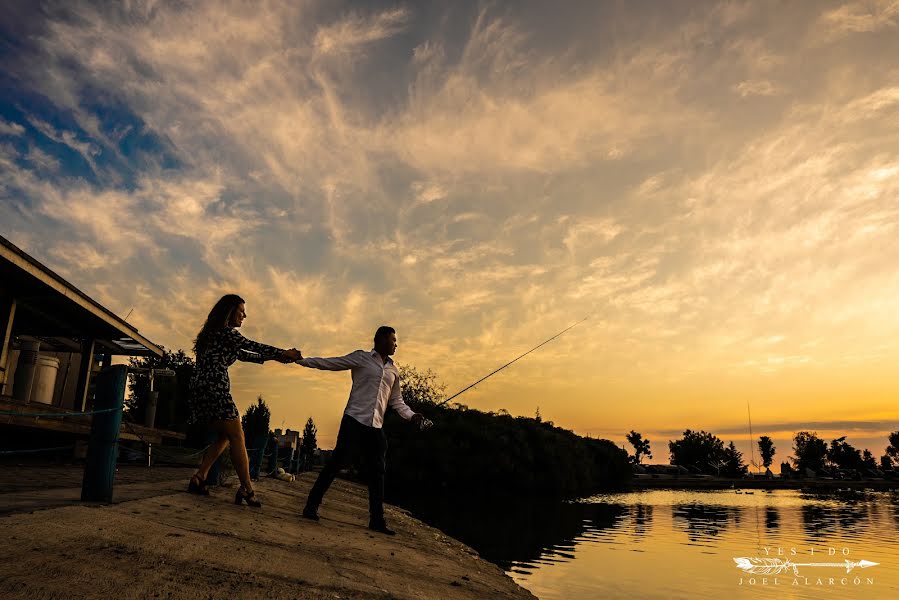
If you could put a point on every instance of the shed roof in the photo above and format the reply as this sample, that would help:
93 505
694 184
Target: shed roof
53 310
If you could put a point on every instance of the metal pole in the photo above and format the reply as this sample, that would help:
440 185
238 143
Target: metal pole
152 403
99 470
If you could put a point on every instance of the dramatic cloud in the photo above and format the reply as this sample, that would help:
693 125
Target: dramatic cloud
858 17
10 128
715 185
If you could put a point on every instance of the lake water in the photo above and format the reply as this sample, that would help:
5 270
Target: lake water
682 544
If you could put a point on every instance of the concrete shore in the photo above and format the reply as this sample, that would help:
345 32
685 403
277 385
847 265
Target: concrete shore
157 541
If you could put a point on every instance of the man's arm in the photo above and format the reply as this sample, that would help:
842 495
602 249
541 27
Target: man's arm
339 363
396 402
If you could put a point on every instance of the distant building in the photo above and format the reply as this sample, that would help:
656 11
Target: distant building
288 439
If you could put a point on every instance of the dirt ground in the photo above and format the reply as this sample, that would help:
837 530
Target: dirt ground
157 541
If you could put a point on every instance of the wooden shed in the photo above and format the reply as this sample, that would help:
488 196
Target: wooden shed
57 338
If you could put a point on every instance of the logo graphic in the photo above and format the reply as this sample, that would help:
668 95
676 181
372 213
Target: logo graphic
776 566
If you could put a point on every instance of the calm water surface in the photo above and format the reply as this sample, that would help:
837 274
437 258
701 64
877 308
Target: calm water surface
682 544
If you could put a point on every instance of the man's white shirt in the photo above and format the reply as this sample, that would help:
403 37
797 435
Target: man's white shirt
376 385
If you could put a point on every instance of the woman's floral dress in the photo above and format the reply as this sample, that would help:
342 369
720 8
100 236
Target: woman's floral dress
210 398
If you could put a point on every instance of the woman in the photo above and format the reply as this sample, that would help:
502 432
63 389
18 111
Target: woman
217 346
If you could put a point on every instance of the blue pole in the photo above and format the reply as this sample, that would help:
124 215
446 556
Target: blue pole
99 470
259 443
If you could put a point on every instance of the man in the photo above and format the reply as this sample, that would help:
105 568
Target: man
376 386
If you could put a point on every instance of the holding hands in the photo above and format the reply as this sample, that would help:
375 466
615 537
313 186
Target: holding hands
289 356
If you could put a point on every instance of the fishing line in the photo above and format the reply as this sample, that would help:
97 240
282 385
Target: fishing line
513 361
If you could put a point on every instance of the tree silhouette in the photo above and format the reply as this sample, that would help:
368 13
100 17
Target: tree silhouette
697 449
139 383
893 448
255 420
641 446
420 389
843 455
809 450
868 460
733 461
309 443
766 450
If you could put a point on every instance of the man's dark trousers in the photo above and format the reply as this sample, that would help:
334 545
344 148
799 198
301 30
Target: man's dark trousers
370 444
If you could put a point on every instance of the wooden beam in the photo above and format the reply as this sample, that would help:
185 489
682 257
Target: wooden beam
61 344
84 374
68 425
7 315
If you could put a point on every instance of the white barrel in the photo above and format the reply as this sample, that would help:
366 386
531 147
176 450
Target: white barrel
44 379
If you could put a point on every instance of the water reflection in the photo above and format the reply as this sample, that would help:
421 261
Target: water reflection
641 519
703 521
612 545
509 531
834 517
815 521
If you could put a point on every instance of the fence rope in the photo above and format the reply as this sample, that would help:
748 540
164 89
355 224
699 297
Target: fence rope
57 415
160 452
35 450
125 421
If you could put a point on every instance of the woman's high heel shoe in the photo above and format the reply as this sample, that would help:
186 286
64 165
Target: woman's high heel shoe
197 486
250 499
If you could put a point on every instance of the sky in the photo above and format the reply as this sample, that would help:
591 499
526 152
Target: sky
715 184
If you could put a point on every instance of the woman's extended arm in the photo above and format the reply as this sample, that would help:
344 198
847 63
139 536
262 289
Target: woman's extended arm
255 352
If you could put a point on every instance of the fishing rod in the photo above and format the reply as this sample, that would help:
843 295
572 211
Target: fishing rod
460 392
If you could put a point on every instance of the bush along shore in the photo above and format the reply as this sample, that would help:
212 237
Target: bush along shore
474 452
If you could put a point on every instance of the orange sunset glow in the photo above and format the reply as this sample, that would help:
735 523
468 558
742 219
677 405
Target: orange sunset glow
716 185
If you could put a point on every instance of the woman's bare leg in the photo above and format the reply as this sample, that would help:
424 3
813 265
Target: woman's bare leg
234 433
212 453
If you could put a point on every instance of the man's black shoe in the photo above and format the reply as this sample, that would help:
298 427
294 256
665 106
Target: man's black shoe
310 513
381 527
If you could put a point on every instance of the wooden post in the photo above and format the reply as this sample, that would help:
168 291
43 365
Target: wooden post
84 374
99 470
7 315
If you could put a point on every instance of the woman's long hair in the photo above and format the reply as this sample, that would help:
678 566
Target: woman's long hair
218 318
